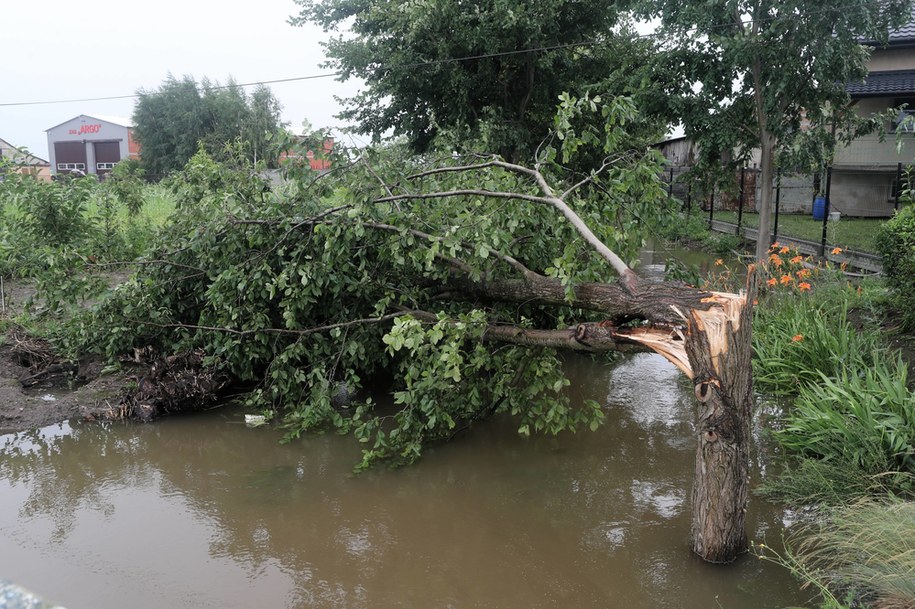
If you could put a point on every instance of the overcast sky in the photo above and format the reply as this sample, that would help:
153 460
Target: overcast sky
56 50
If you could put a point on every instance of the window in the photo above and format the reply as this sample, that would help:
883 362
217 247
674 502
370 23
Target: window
71 166
103 166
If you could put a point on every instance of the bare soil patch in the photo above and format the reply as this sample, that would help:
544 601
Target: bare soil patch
80 394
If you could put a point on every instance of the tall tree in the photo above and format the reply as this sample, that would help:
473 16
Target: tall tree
766 74
492 68
174 119
169 122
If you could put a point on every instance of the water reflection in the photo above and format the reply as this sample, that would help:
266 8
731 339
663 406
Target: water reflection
202 511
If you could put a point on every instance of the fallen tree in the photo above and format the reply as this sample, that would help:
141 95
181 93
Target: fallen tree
451 289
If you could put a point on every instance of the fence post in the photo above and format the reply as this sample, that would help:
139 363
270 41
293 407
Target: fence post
670 185
689 198
898 187
711 207
778 196
826 211
743 171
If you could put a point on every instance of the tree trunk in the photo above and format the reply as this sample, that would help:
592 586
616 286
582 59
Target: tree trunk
718 344
707 335
767 177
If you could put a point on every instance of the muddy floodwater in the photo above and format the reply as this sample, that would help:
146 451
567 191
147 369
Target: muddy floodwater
202 511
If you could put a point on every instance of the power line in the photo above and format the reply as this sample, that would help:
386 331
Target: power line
412 65
407 66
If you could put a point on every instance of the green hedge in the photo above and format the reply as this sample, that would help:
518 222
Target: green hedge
896 244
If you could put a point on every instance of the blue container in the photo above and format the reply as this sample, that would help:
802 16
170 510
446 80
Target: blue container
819 208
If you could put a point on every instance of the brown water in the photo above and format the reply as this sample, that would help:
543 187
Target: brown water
204 512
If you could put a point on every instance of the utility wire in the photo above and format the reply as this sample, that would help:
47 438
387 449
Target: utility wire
406 66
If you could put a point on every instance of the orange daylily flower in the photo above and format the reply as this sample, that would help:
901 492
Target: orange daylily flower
786 279
772 282
775 259
797 338
803 286
803 273
784 250
797 259
719 262
775 246
836 250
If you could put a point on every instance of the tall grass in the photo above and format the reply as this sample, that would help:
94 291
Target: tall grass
159 204
861 420
850 431
798 339
864 552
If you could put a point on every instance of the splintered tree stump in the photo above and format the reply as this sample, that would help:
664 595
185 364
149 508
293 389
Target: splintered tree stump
715 351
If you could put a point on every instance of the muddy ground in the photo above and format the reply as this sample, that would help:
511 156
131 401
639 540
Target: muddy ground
77 395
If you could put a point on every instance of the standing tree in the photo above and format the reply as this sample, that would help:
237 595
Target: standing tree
492 69
180 115
765 74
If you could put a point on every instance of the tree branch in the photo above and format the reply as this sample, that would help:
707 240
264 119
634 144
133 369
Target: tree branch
590 337
287 331
466 192
627 277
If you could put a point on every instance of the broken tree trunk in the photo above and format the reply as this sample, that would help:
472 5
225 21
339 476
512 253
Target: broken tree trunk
707 335
715 351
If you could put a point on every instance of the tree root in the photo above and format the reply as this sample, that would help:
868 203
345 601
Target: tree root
174 384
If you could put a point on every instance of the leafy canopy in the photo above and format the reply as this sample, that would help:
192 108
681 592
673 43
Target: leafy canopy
767 75
318 289
729 70
171 121
492 69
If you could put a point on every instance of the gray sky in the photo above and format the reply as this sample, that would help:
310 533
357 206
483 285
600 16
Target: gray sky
69 50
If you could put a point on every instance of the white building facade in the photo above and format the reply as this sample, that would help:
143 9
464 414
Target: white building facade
90 144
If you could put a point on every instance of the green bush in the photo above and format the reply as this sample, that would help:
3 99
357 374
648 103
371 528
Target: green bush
896 244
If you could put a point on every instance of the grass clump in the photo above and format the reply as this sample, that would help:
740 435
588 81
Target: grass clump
864 552
862 421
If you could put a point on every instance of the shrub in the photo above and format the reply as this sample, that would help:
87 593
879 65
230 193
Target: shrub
896 244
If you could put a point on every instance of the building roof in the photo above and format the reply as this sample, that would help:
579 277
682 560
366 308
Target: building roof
10 151
881 84
905 34
116 120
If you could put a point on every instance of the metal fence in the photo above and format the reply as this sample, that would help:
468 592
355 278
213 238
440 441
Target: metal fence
803 194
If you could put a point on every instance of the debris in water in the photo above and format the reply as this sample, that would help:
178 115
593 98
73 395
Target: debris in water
255 420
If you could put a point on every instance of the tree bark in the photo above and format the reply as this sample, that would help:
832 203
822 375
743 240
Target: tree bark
719 348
